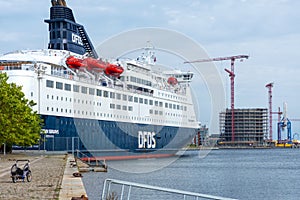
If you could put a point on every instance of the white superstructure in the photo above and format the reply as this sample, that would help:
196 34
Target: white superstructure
140 94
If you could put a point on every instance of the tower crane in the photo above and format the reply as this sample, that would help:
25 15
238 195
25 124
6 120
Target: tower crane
269 86
279 113
231 75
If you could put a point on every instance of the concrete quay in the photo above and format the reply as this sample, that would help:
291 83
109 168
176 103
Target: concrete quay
71 186
52 177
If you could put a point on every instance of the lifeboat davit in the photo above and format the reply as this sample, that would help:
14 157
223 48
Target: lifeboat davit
113 70
172 81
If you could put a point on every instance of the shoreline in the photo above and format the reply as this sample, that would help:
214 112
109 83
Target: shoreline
237 147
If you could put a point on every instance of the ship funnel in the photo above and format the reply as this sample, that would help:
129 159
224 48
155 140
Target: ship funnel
65 33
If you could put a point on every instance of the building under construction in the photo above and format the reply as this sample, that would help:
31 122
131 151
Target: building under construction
250 127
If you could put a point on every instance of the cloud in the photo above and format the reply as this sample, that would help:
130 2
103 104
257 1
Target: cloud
266 29
232 20
272 59
4 37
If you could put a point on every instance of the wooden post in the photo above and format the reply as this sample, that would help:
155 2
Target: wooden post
4 149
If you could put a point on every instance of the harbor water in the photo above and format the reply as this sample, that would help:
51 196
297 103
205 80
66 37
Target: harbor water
234 173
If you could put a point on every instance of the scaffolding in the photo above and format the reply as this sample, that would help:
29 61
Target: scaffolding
250 127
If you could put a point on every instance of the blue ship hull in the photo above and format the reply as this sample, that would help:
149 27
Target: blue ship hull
112 138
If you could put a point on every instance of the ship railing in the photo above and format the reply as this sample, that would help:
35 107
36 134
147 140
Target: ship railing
127 190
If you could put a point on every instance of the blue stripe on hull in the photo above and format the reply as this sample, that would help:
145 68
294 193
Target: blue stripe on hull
109 136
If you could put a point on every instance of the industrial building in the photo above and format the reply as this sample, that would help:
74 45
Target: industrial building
201 135
250 127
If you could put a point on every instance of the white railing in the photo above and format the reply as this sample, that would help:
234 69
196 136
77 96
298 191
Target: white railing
126 188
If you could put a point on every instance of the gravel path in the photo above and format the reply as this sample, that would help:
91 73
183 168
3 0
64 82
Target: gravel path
47 173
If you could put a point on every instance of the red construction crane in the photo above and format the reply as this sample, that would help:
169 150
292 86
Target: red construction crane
269 86
231 75
279 113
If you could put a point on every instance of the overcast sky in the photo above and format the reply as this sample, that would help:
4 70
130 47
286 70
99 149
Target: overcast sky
267 30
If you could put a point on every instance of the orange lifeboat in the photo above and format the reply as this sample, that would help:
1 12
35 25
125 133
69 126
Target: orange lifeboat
113 70
89 63
172 81
74 63
93 63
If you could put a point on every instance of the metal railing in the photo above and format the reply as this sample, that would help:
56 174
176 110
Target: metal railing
79 154
91 161
126 189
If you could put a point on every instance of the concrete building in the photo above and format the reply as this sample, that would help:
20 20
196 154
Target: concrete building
250 127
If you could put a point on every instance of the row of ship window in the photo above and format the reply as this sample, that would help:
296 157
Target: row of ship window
136 80
112 95
81 112
116 116
172 96
75 100
118 107
114 106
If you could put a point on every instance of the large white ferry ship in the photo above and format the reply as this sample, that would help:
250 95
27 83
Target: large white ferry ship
105 107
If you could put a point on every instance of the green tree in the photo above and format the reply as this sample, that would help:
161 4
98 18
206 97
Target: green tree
19 123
